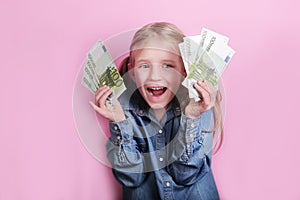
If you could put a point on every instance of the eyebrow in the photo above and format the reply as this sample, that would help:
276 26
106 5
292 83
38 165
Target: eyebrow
165 60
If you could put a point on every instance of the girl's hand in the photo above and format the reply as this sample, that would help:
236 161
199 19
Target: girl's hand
208 93
115 112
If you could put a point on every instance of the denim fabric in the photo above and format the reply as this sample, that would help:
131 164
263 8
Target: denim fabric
167 159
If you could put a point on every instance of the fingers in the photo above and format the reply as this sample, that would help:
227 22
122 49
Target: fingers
207 91
204 90
101 95
101 111
113 112
99 106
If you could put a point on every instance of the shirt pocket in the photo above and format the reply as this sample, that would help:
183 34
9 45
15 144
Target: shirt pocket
142 145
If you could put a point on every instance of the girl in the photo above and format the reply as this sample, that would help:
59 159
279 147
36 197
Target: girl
161 142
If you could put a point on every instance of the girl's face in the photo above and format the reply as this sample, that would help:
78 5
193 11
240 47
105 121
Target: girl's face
157 73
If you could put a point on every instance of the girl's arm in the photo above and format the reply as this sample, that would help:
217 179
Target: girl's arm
192 149
126 160
193 144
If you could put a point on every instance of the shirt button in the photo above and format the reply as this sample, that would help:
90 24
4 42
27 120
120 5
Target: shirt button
116 127
161 159
141 112
160 131
192 125
168 184
118 137
191 135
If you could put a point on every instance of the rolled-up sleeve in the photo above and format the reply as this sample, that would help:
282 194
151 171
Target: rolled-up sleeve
192 148
127 162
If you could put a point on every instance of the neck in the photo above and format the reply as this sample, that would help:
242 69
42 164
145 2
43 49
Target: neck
159 113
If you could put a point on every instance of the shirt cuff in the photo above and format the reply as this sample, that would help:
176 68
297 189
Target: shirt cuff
193 127
121 132
193 136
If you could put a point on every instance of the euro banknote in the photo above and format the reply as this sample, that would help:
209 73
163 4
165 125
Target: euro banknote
205 57
100 69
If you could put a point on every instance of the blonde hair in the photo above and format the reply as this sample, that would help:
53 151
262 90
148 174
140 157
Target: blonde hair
167 31
174 35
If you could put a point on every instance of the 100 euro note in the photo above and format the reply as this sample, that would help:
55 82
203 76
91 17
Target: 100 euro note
100 70
205 57
204 69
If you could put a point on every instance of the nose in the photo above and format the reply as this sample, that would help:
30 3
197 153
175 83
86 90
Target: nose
155 73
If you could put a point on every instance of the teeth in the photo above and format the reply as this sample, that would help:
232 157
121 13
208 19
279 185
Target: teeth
156 88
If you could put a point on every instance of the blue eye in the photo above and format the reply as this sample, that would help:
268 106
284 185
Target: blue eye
144 66
167 66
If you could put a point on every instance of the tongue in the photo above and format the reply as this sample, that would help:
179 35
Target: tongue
157 92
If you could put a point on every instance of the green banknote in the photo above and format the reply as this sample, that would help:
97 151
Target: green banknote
100 70
205 57
203 69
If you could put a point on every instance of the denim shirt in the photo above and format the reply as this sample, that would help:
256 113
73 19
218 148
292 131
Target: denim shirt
167 159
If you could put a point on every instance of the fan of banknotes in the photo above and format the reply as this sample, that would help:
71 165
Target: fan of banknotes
205 57
100 70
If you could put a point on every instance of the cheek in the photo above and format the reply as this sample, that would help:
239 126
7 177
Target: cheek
139 78
174 76
174 82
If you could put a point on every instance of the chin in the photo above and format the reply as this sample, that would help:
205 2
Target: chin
157 106
157 98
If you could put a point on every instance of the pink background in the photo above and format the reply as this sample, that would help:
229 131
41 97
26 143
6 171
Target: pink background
42 47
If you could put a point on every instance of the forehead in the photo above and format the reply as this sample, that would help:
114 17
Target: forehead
155 55
166 45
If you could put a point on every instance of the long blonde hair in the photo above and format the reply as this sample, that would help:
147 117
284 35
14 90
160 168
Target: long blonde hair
174 35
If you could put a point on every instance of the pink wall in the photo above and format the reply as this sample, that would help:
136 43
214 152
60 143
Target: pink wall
42 47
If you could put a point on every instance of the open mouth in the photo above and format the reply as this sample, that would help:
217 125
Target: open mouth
156 91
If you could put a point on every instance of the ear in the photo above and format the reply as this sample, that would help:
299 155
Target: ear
131 71
183 75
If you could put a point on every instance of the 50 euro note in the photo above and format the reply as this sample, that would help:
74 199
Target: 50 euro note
100 70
